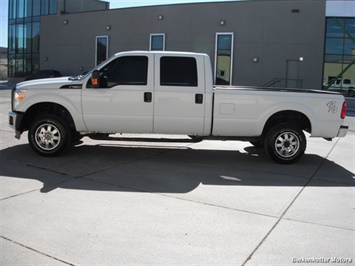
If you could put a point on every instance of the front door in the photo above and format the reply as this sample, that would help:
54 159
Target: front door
123 103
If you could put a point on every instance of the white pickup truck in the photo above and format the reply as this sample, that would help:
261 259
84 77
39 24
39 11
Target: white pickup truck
171 93
344 86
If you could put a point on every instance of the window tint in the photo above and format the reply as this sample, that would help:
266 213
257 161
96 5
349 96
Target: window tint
178 71
127 70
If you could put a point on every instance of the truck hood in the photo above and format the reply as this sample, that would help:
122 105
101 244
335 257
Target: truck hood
50 83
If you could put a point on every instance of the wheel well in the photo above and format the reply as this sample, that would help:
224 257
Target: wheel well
46 108
289 116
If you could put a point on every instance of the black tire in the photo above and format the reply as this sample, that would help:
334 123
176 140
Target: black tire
285 143
49 136
351 93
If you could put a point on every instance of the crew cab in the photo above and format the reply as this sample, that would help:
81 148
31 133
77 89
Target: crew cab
171 93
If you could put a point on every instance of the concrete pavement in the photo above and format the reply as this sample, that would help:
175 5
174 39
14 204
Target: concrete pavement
175 202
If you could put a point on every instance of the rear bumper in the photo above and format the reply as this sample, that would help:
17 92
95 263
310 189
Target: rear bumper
343 130
15 120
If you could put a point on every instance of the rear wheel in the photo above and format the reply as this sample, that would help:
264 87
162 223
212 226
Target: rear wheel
351 93
49 136
285 143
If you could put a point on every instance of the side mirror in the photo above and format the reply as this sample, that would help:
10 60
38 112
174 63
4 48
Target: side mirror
95 79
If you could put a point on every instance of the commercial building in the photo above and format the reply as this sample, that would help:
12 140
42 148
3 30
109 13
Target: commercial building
25 29
3 63
250 43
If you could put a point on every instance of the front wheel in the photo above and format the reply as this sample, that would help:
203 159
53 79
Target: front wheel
285 143
49 136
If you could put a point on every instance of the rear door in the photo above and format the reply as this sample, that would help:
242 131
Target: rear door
179 96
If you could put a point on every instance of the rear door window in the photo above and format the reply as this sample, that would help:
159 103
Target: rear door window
178 71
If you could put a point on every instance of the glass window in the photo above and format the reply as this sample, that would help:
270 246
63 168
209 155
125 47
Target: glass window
28 67
101 49
35 63
18 68
339 53
334 46
350 26
127 70
36 7
28 38
12 39
157 42
334 29
28 8
348 58
14 8
52 6
224 55
45 7
11 3
21 8
349 47
24 34
11 65
331 58
35 37
178 71
19 38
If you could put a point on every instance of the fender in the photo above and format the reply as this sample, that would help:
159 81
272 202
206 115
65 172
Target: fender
287 106
68 98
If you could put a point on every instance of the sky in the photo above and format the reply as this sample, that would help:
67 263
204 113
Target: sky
131 3
113 4
3 22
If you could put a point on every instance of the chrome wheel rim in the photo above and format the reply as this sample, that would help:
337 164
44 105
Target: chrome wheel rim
287 144
48 137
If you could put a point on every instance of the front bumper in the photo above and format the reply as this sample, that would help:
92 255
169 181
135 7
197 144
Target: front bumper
343 130
15 120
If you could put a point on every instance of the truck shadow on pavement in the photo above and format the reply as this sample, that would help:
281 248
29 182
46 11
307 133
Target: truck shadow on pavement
164 169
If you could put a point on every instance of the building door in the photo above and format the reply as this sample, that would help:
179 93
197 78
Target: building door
292 74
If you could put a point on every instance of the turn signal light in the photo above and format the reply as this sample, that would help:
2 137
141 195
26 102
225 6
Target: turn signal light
21 96
18 96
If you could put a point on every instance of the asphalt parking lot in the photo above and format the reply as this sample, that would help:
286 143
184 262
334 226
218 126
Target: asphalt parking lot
134 201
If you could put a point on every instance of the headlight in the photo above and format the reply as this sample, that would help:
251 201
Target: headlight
18 96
